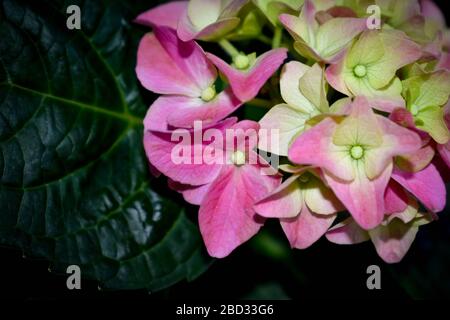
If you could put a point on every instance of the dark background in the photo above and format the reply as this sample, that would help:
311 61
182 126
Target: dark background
323 271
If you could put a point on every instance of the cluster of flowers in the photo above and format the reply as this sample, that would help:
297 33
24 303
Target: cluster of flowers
360 107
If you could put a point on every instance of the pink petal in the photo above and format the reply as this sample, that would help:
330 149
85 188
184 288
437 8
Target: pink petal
363 198
334 75
402 117
159 147
444 151
319 198
395 198
246 84
347 232
183 111
393 241
188 56
442 167
315 147
165 15
157 71
427 185
283 202
245 134
192 194
397 141
431 10
226 217
307 228
444 61
416 161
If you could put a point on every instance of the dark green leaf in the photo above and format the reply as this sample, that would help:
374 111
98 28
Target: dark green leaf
75 186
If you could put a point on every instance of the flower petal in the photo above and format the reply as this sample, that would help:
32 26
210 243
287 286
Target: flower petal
157 71
393 241
431 120
282 121
164 15
226 217
347 232
312 86
363 198
334 74
167 65
319 198
394 41
164 150
397 141
336 34
315 147
416 161
284 202
192 194
395 198
307 228
246 84
185 110
427 185
290 87
188 56
444 151
360 128
187 31
202 13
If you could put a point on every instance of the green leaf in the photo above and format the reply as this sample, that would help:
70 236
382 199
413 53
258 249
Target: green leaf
75 185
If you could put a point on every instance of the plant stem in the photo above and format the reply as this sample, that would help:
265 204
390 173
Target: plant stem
228 48
258 102
277 37
264 39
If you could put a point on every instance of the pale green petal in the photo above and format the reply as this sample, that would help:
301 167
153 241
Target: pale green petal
434 90
335 34
399 51
312 86
367 50
272 9
408 215
288 122
319 198
360 128
431 120
204 12
340 106
290 87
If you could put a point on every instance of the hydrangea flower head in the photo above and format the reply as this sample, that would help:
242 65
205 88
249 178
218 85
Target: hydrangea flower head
352 140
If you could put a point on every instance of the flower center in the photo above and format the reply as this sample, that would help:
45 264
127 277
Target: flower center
238 158
357 152
241 61
360 71
208 94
